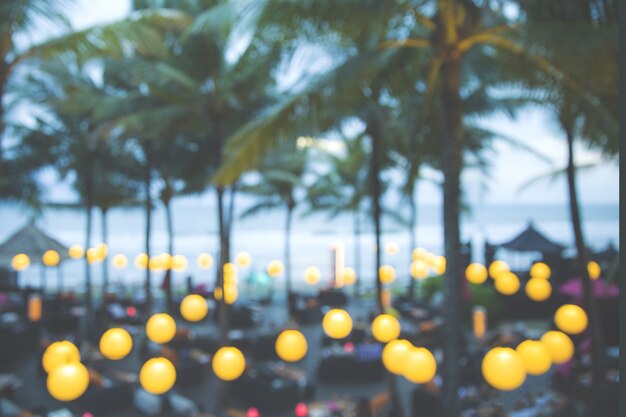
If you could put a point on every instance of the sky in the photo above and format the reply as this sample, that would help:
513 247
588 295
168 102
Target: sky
511 167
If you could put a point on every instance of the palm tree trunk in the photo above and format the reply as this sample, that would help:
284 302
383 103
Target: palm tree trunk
595 329
452 159
170 249
224 259
148 209
88 225
412 236
4 76
288 258
105 264
357 251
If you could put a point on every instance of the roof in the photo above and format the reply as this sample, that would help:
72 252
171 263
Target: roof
33 242
531 240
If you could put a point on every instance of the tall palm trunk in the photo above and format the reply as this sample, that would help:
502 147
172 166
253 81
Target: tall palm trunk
167 204
89 319
4 77
357 251
412 236
148 209
290 207
224 259
105 239
452 156
595 330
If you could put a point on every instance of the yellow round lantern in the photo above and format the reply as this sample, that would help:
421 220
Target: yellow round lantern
243 259
157 376
385 328
68 382
540 270
230 268
59 353
419 269
179 263
594 270
571 319
349 276
76 251
476 273
418 254
394 355
228 363
312 275
217 293
503 369
20 262
392 248
231 293
507 283
161 328
538 289
116 344
387 274
119 261
535 355
156 264
275 269
204 260
497 268
51 258
102 249
337 323
164 260
194 308
93 255
419 365
439 265
141 261
559 345
291 345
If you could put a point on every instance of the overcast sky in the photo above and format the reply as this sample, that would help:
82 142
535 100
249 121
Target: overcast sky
511 167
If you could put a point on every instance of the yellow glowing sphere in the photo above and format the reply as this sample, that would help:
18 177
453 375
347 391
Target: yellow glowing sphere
204 260
394 355
275 269
476 273
385 328
161 328
503 369
20 262
312 275
243 259
59 353
230 268
538 289
156 264
102 250
228 363
116 344
497 268
291 345
217 293
571 319
419 365
540 270
419 269
387 274
418 254
535 355
119 261
157 376
349 276
76 251
141 261
231 293
231 279
507 283
179 263
68 382
594 270
51 258
194 308
337 323
559 345
439 265
392 248
165 260
93 255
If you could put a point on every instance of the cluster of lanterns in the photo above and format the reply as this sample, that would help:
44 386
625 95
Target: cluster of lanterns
229 289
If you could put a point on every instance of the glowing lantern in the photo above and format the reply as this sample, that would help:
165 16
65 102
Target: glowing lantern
102 249
217 293
349 276
419 365
418 254
204 260
165 260
337 323
194 308
275 269
231 293
161 328
476 273
559 345
157 376
497 268
115 344
385 328
507 283
394 355
419 269
228 363
392 248
51 258
20 262
439 265
291 345
538 289
540 270
93 255
35 307
59 353
594 270
253 412
76 252
301 410
387 274
141 261
119 261
571 319
156 264
243 259
312 275
479 322
68 382
536 357
503 369
179 263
